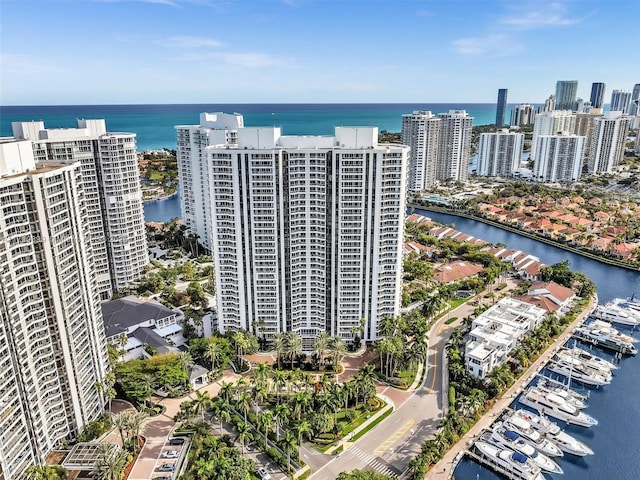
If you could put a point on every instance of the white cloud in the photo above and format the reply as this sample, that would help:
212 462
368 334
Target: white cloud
496 45
244 60
550 15
192 42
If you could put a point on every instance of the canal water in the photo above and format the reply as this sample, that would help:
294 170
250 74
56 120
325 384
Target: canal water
616 439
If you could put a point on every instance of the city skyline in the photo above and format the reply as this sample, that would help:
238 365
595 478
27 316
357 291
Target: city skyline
306 51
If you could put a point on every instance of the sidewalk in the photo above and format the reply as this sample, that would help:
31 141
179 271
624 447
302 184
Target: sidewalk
443 470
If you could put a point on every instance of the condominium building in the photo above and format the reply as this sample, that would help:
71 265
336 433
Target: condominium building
549 104
52 341
522 115
566 93
501 107
584 128
558 158
454 146
499 153
552 123
634 104
607 142
111 182
421 131
597 94
306 231
214 129
620 101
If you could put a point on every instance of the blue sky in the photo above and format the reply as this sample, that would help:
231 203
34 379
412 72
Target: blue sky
320 51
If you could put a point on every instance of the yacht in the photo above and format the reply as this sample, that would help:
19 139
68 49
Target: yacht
556 406
574 398
592 360
534 437
615 314
552 432
603 334
630 304
573 369
504 438
518 465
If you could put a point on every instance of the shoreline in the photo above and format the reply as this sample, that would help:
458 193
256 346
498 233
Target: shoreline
166 197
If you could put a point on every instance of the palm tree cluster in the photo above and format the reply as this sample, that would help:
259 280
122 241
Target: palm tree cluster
131 426
288 346
403 346
214 458
112 462
327 352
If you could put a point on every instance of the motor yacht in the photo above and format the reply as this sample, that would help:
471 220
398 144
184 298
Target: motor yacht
518 465
576 399
504 438
528 433
615 314
555 406
603 334
552 432
590 359
574 369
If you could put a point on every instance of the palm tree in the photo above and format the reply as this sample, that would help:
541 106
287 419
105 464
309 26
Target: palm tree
303 429
289 441
244 401
338 349
260 373
280 342
279 381
300 402
121 422
221 411
226 391
202 402
213 353
186 361
294 346
259 393
110 464
137 427
265 421
320 347
280 412
244 433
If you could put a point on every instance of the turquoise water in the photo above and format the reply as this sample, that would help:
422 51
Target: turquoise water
154 124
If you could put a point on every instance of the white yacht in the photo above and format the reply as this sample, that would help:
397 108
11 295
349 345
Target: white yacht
518 465
630 304
534 437
556 406
592 360
603 334
573 369
615 314
553 432
576 399
504 438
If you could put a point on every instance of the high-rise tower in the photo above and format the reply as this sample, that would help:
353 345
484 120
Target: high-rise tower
597 94
52 341
558 158
566 93
111 182
499 153
306 231
421 131
608 137
501 107
552 123
454 146
620 101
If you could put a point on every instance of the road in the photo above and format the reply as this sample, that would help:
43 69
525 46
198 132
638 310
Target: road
391 445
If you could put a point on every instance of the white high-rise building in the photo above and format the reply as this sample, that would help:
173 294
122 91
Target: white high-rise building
607 143
555 122
558 158
214 129
454 146
52 341
111 181
523 115
306 231
421 131
620 101
499 153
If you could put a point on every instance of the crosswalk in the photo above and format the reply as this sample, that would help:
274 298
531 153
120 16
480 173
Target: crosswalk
371 461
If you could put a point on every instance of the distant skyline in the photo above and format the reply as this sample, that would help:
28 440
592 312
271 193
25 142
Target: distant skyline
56 52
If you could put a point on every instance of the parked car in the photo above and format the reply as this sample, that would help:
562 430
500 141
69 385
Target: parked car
263 474
166 467
176 441
170 454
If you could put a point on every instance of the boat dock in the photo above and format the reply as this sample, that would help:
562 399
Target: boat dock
491 464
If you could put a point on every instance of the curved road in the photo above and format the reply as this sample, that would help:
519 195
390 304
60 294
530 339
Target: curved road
391 445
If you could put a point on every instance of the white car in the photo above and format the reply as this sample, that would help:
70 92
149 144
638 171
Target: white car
263 474
170 454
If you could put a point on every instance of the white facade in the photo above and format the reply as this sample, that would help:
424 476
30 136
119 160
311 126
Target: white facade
421 131
306 231
522 115
499 153
558 158
454 146
111 182
497 331
52 341
556 122
607 142
620 101
214 129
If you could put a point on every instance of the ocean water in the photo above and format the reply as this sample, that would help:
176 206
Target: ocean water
154 124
